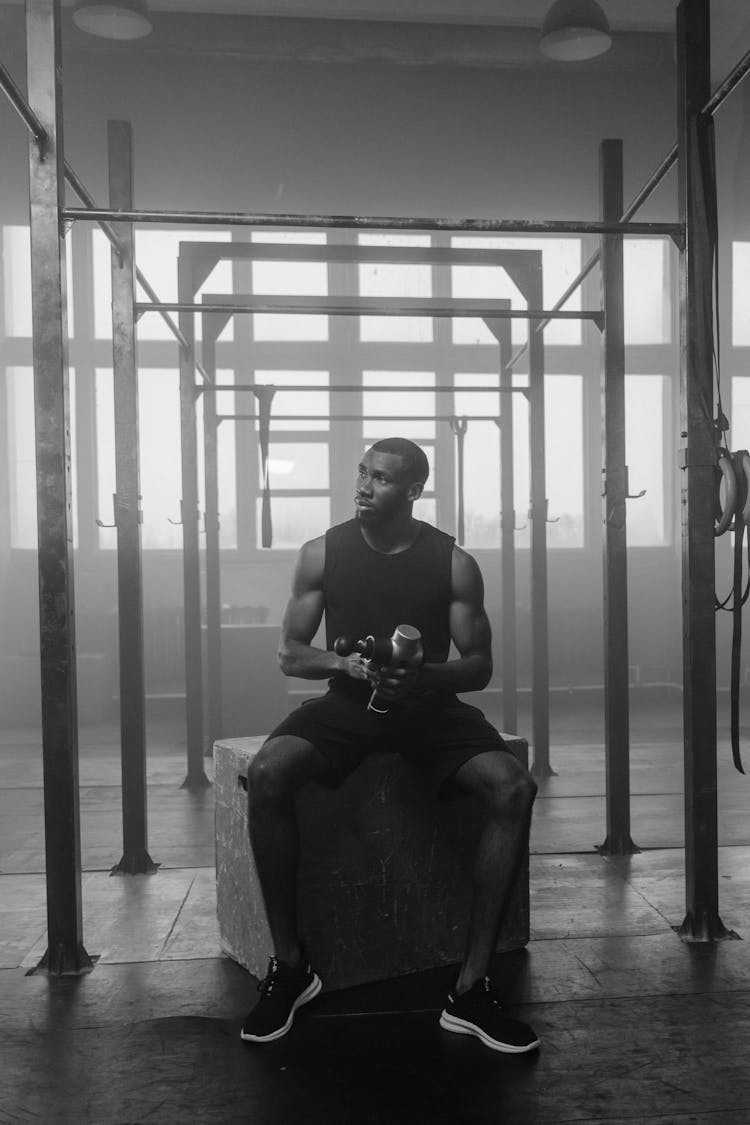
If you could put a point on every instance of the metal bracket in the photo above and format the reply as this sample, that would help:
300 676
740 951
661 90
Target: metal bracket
101 523
120 513
509 521
679 239
180 522
686 460
555 519
628 495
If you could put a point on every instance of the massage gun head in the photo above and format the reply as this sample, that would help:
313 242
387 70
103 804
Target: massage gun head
404 647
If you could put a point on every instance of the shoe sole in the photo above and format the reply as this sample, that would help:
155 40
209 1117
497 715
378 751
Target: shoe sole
305 997
463 1027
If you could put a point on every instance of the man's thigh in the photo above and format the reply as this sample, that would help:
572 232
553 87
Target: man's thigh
340 729
447 740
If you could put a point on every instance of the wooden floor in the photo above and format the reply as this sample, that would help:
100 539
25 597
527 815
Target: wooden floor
636 1026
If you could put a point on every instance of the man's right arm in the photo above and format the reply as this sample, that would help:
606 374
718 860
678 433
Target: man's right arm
302 617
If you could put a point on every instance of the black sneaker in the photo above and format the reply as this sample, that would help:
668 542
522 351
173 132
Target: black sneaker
285 989
477 1012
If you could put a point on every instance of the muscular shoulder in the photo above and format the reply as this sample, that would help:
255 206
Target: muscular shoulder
308 574
466 577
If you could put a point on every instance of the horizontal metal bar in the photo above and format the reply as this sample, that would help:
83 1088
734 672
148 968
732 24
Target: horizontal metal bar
22 107
375 306
732 80
358 387
389 222
355 253
360 418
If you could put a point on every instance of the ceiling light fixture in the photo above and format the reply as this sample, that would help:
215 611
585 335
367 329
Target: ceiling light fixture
127 19
574 30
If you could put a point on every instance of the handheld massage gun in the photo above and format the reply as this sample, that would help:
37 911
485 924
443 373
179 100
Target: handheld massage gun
403 649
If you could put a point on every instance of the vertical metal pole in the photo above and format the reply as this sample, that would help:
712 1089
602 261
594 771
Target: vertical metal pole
508 535
212 325
698 457
65 950
135 858
538 523
501 330
614 513
191 567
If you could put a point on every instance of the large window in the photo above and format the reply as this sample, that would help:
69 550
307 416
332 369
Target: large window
645 401
647 291
290 279
563 404
395 279
308 356
159 448
741 294
409 414
481 445
156 255
17 282
298 460
22 456
561 263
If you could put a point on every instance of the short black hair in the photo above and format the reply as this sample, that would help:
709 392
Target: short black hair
416 465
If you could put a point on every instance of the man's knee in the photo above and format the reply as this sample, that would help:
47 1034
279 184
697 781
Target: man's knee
278 769
503 783
522 790
265 776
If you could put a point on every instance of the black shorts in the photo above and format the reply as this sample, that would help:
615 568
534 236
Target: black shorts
437 738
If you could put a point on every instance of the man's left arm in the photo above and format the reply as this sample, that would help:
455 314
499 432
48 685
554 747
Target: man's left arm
470 632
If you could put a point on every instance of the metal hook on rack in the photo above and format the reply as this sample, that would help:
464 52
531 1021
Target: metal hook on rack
101 523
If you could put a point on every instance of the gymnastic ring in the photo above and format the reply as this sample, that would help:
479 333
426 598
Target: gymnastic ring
746 470
727 471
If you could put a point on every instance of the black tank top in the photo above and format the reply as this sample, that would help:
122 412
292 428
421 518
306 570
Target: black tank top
369 593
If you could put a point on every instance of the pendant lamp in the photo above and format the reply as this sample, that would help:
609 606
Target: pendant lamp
574 30
127 19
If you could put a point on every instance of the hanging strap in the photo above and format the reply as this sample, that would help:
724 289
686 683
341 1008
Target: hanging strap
264 395
738 600
459 427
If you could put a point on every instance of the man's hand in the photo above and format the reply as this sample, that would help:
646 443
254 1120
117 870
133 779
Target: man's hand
395 682
354 666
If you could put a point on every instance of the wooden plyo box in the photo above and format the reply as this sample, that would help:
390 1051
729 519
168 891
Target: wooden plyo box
385 872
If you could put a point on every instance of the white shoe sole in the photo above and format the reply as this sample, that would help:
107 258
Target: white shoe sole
310 993
463 1027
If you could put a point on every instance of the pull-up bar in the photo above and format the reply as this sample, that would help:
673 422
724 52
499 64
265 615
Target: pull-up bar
378 222
359 418
331 387
374 306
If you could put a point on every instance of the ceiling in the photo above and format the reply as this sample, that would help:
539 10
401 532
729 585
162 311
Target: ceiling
633 15
730 19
